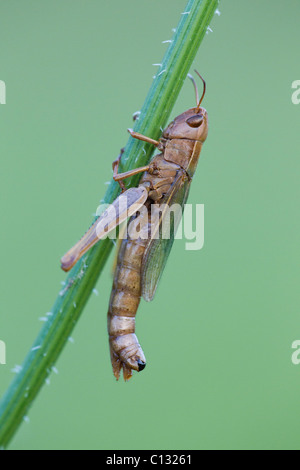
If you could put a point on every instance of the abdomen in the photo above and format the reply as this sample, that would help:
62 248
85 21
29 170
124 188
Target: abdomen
125 349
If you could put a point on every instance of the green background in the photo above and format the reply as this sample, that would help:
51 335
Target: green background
218 335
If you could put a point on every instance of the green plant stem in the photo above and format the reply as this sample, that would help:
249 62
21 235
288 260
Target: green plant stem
80 283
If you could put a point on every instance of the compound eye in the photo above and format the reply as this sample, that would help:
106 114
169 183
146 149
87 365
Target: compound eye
195 121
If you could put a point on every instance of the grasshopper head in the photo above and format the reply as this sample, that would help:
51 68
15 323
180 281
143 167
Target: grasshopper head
192 125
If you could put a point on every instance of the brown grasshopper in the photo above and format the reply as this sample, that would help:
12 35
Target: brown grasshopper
141 259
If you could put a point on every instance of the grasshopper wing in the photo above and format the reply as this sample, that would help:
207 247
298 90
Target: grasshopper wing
124 206
162 235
